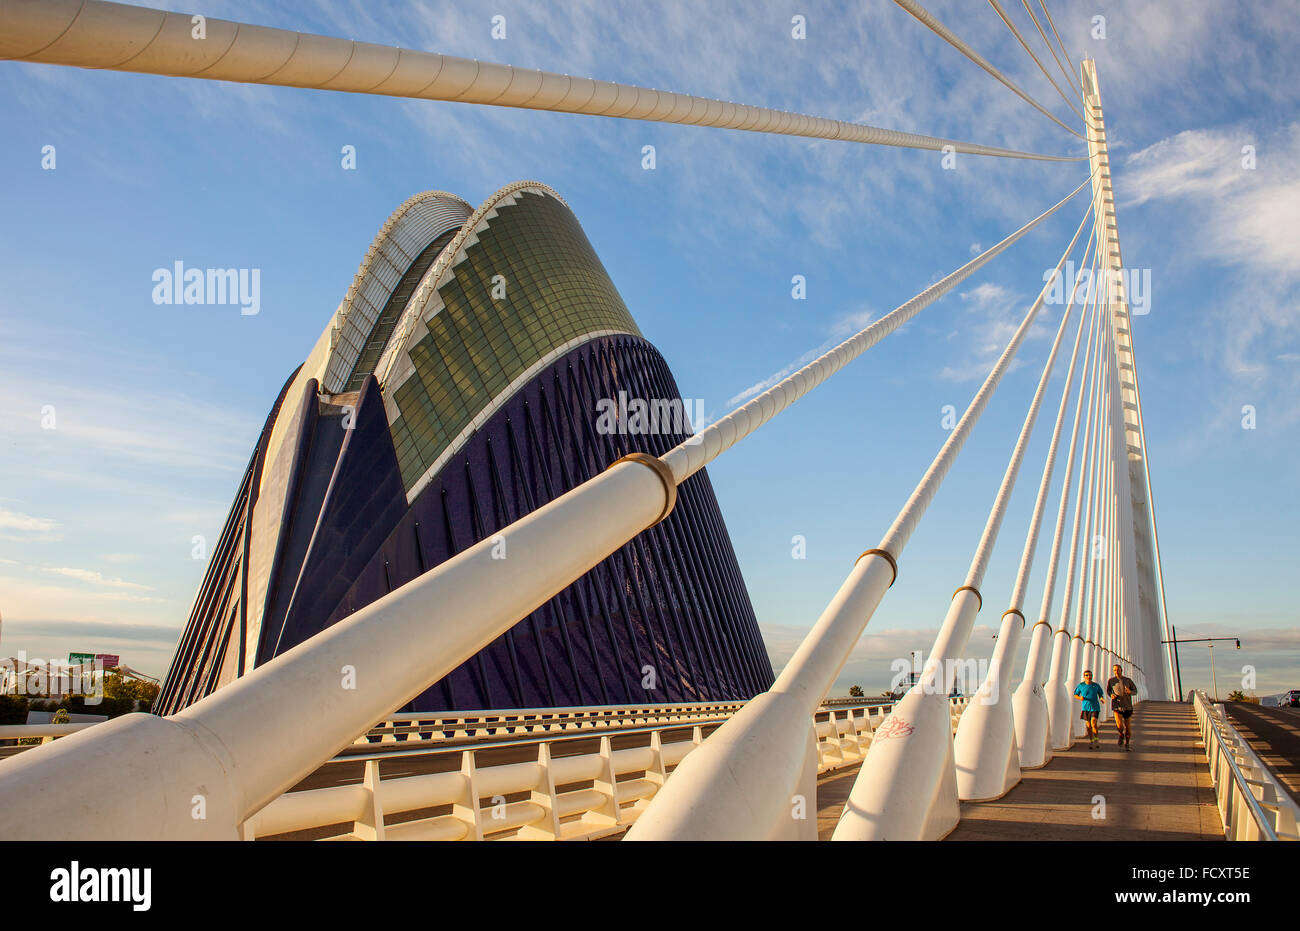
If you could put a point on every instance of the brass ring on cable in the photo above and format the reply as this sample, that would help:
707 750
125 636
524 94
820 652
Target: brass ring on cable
971 588
1047 624
660 468
886 556
1016 612
1076 637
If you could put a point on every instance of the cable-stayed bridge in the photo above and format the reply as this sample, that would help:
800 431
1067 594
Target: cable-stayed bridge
743 771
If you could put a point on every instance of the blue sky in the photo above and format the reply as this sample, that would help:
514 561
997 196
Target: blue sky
157 407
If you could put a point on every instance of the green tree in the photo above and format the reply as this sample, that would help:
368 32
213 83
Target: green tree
119 687
13 709
855 691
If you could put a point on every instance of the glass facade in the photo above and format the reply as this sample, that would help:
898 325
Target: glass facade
368 358
555 290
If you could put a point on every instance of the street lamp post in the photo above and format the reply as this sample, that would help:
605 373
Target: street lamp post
1178 673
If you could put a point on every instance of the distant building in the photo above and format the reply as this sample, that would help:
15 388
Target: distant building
458 387
40 680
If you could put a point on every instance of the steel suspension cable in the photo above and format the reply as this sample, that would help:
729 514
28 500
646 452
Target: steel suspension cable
1034 715
901 531
693 454
1049 584
1104 571
1097 513
918 765
116 37
1070 608
715 792
1021 584
1125 537
986 734
997 8
1122 520
928 19
1069 76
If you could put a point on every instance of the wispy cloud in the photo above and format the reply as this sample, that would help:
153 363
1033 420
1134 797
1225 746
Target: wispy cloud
993 314
1246 205
157 430
156 633
1239 209
92 577
15 525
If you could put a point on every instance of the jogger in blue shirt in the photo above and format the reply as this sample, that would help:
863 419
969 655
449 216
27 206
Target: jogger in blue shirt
1090 693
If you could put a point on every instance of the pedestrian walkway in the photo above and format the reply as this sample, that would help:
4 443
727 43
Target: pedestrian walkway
1160 790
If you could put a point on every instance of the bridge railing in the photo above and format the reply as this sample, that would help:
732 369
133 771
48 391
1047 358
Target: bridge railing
1252 803
45 732
569 796
439 727
436 727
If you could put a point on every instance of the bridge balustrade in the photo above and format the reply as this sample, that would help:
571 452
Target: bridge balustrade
1252 802
580 796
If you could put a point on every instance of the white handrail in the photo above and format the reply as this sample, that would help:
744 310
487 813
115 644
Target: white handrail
48 731
1243 785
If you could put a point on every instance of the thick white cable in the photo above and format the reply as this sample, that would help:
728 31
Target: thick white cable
1035 707
1066 640
928 19
1121 518
1106 569
1053 562
695 453
1125 538
117 37
738 783
906 789
986 734
1097 513
1072 603
1069 76
1045 484
1025 45
904 525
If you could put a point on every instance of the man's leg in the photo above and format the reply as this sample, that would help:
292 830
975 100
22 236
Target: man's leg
1128 728
1119 726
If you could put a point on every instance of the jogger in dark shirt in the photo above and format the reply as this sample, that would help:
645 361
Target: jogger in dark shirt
1121 690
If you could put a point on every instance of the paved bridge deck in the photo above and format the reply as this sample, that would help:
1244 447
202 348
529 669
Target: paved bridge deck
1160 790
